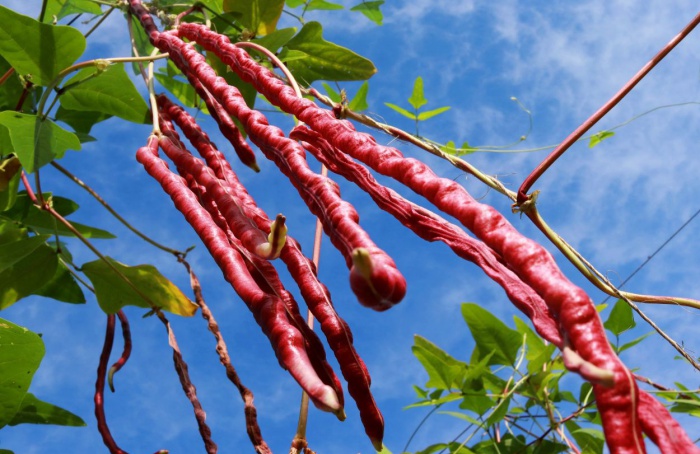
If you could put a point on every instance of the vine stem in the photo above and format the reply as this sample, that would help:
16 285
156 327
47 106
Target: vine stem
523 196
113 212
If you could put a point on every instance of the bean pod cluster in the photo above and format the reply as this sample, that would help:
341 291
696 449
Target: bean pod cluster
242 239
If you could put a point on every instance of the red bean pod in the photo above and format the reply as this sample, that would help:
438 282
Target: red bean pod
303 272
243 228
376 281
269 311
432 227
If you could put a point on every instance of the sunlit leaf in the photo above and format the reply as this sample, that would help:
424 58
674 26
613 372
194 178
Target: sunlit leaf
325 60
81 122
431 113
13 252
113 293
634 342
258 16
491 334
359 101
599 137
322 4
273 41
401 110
68 7
36 142
21 352
295 3
35 411
109 91
620 319
443 370
36 49
371 10
10 173
334 95
27 275
417 99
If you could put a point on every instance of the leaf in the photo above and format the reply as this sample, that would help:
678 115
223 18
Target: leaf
536 352
258 16
371 10
295 3
113 293
633 342
443 370
36 49
491 334
10 173
27 275
417 99
620 319
401 110
431 113
21 352
322 4
359 101
599 137
109 91
13 252
62 287
589 440
247 90
183 91
11 90
334 95
81 122
273 41
35 411
325 60
36 142
68 7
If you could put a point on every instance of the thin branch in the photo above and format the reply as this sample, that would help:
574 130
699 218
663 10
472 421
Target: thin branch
111 210
188 387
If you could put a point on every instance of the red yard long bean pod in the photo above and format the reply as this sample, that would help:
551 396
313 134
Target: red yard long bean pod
268 310
262 272
302 270
253 239
431 227
586 348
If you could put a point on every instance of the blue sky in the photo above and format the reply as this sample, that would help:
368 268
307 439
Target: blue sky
616 203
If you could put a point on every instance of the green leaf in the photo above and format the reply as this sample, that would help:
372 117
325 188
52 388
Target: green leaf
499 411
68 7
21 352
359 101
620 319
62 287
401 110
589 440
36 142
273 41
109 91
258 16
35 411
247 90
36 49
81 122
417 99
633 342
431 113
371 10
443 370
27 275
11 90
183 91
463 417
325 60
10 173
26 213
113 293
334 95
491 334
322 4
13 252
599 137
536 352
295 3
287 55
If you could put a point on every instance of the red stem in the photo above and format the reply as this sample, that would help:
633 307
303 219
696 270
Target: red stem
600 113
102 426
126 352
